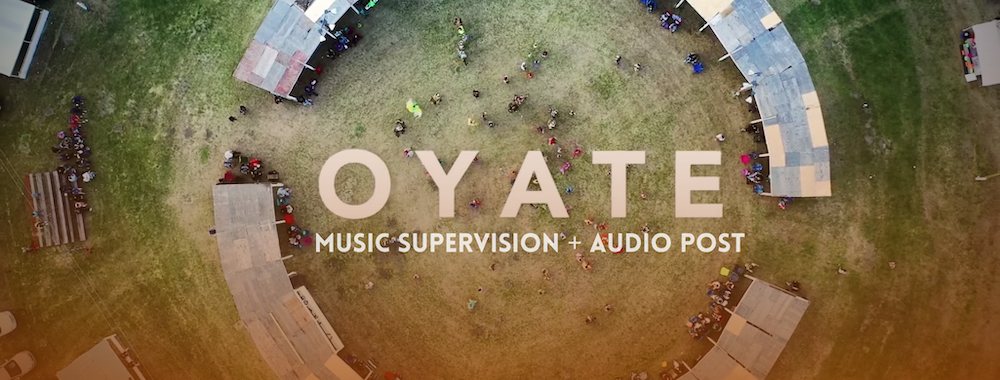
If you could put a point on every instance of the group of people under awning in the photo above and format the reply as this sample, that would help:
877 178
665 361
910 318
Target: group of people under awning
74 154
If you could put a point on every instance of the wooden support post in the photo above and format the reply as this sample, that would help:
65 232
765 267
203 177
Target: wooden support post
289 97
286 257
308 67
757 121
355 9
679 3
984 178
764 155
276 222
703 27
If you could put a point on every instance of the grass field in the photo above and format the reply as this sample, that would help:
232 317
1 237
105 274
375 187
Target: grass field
902 177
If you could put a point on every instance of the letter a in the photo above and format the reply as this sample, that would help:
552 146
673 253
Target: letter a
534 164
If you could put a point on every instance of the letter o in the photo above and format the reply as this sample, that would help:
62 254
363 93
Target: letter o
328 188
524 244
710 248
658 248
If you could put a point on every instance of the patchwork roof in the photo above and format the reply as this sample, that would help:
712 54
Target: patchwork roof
754 337
279 51
282 322
763 50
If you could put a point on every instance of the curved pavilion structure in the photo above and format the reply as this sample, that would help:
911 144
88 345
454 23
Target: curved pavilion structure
760 46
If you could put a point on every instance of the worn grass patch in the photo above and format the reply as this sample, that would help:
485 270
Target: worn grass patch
881 53
607 84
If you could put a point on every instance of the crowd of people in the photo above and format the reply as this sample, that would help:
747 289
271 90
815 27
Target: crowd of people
753 169
246 166
516 103
343 39
74 157
298 237
705 322
670 21
462 39
720 293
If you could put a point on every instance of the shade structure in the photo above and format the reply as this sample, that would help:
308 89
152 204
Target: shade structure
718 365
289 329
709 8
755 335
764 52
280 49
988 47
21 26
105 361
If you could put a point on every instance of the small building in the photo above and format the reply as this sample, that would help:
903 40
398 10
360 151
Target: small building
980 50
108 360
21 26
286 39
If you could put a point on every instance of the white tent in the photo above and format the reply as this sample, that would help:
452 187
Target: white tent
988 48
21 26
335 8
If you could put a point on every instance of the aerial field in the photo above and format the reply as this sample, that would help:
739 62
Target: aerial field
902 172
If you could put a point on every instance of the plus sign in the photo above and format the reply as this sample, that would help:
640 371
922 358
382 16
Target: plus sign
574 242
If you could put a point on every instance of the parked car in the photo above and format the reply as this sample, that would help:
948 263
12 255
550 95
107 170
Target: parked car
17 366
7 323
